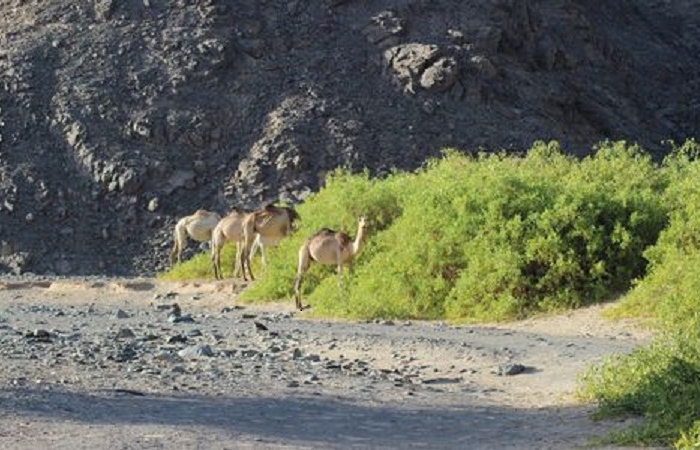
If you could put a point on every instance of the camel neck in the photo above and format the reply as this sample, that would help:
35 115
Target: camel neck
359 239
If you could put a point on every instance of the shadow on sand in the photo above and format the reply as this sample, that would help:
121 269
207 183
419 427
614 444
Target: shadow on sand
312 421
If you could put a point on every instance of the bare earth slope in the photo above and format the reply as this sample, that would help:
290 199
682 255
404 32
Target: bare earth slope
118 116
102 364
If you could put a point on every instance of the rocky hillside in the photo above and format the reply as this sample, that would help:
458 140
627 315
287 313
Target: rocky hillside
118 116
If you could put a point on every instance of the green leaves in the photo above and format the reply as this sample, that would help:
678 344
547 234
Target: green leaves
661 382
491 237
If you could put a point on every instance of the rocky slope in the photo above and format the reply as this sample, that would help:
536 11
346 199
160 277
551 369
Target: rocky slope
118 116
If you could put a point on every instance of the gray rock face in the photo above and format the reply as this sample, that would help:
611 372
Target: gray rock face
117 118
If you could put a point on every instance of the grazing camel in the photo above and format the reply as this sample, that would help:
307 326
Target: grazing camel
328 247
265 228
230 228
197 226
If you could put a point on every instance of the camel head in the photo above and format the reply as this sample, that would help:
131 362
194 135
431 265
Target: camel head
363 223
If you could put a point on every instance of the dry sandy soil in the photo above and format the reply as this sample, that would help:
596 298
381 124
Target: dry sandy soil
106 364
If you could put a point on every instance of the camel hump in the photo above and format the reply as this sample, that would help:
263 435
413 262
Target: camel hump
324 232
343 238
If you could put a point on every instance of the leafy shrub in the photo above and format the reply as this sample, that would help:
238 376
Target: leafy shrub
661 382
485 237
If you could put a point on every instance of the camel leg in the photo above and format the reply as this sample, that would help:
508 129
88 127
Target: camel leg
263 255
216 243
256 245
180 241
215 265
304 262
237 261
340 269
173 254
247 245
245 259
297 291
216 260
241 260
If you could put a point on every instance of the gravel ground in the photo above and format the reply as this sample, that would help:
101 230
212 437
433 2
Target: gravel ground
111 363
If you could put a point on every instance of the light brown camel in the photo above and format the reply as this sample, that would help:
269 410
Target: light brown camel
230 228
265 228
197 226
328 247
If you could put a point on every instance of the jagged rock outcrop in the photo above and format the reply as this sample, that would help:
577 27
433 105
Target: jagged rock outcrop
119 116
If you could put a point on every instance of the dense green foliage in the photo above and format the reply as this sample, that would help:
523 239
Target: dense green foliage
490 237
661 382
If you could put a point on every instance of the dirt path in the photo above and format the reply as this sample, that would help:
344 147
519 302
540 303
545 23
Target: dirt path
105 364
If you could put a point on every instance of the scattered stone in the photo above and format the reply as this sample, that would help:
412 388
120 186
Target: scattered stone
178 338
153 204
313 358
510 369
125 353
39 335
121 314
125 333
249 353
196 351
441 380
180 319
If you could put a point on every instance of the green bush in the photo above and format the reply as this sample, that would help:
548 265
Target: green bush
490 237
661 382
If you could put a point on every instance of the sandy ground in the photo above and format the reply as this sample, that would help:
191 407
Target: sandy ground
300 383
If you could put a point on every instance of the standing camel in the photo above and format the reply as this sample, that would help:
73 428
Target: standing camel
197 226
230 228
328 247
265 228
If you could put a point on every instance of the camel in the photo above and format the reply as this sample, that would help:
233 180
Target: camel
265 228
197 226
328 247
230 228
